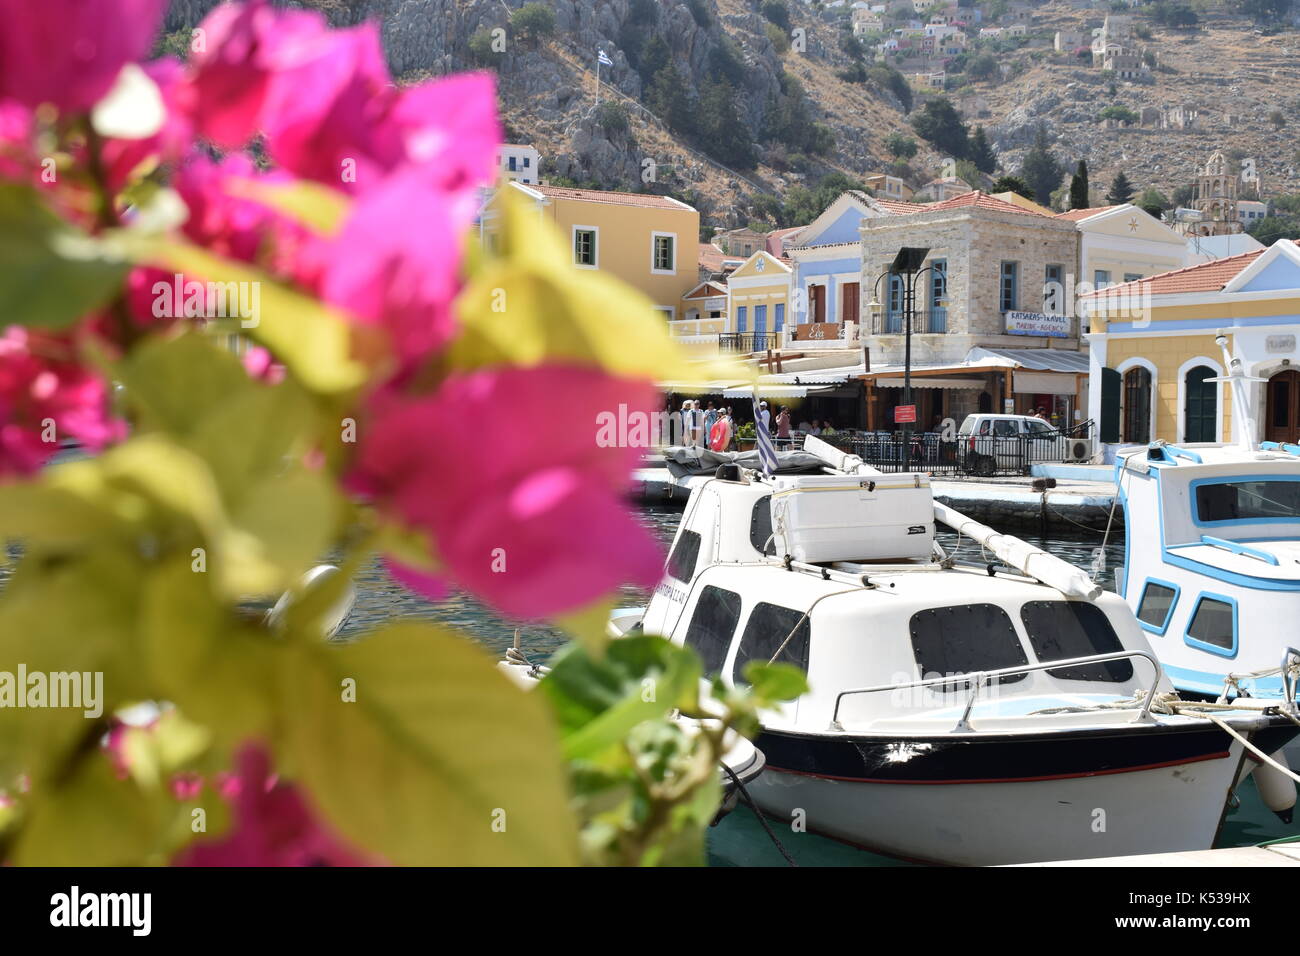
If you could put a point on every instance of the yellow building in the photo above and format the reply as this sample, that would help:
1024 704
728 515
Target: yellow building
1122 243
758 303
649 242
1155 358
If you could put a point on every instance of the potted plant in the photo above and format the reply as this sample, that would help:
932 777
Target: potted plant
746 437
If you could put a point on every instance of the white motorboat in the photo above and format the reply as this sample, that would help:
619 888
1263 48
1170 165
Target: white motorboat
964 713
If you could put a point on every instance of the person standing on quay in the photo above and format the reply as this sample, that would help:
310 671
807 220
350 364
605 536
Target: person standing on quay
783 422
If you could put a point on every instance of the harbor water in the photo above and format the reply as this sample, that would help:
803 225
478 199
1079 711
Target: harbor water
739 840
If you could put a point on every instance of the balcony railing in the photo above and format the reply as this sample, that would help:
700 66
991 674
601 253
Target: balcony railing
749 341
924 321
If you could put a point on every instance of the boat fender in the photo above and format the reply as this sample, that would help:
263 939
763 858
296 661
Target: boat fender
1276 789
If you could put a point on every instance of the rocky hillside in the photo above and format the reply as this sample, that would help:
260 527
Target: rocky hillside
783 97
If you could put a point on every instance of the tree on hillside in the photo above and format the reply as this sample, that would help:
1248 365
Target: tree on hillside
939 123
1079 187
981 152
666 98
722 133
1263 12
1153 201
1013 184
900 146
1121 190
1272 228
803 205
533 21
1040 169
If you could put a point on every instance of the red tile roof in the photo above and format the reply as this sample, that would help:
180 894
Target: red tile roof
713 259
1074 215
644 200
1207 277
900 208
979 200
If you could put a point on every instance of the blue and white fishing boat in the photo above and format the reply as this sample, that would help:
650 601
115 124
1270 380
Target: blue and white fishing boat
1212 556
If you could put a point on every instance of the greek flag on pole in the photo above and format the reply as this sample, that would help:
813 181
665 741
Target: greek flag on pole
766 450
600 55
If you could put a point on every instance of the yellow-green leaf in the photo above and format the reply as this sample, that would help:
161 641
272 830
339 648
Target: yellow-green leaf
440 759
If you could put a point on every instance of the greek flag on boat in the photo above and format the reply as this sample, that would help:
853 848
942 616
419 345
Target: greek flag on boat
600 55
766 450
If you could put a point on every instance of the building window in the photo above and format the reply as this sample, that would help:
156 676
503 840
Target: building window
1100 279
584 246
1054 290
1010 291
742 318
513 163
780 316
1137 405
1132 276
663 253
894 305
527 162
939 296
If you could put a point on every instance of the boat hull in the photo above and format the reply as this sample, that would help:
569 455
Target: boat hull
983 800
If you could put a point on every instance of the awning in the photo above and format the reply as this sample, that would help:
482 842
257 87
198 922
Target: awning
1040 360
1044 383
776 390
961 384
698 388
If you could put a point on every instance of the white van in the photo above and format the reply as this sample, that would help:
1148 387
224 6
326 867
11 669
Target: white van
996 442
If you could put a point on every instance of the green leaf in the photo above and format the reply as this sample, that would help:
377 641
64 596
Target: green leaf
173 384
436 748
70 615
599 701
220 674
771 683
51 274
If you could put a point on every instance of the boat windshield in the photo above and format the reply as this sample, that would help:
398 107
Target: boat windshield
1255 500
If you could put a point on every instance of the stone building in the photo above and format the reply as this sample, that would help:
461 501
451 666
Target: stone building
1215 195
992 303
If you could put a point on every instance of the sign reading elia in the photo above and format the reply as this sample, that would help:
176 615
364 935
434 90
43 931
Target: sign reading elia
1038 323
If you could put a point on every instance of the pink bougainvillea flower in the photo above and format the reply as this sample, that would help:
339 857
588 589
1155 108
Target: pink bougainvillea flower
262 366
324 117
123 157
538 526
432 586
273 826
69 52
45 396
385 276
450 130
244 47
16 159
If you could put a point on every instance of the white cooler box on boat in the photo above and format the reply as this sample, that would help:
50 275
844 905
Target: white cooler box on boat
821 518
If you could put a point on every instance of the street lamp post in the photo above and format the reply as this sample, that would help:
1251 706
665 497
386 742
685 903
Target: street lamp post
907 264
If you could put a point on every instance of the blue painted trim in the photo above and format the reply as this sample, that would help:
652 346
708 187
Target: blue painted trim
1229 577
1214 648
1227 480
1121 584
1169 615
1237 548
1211 684
1280 446
1189 325
1168 453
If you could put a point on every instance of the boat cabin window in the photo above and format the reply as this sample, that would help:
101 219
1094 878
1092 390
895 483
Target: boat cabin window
760 526
1061 629
1157 606
713 626
681 564
1214 625
1264 500
766 630
965 638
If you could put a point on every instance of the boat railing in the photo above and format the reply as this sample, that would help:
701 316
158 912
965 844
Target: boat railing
978 679
1236 547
